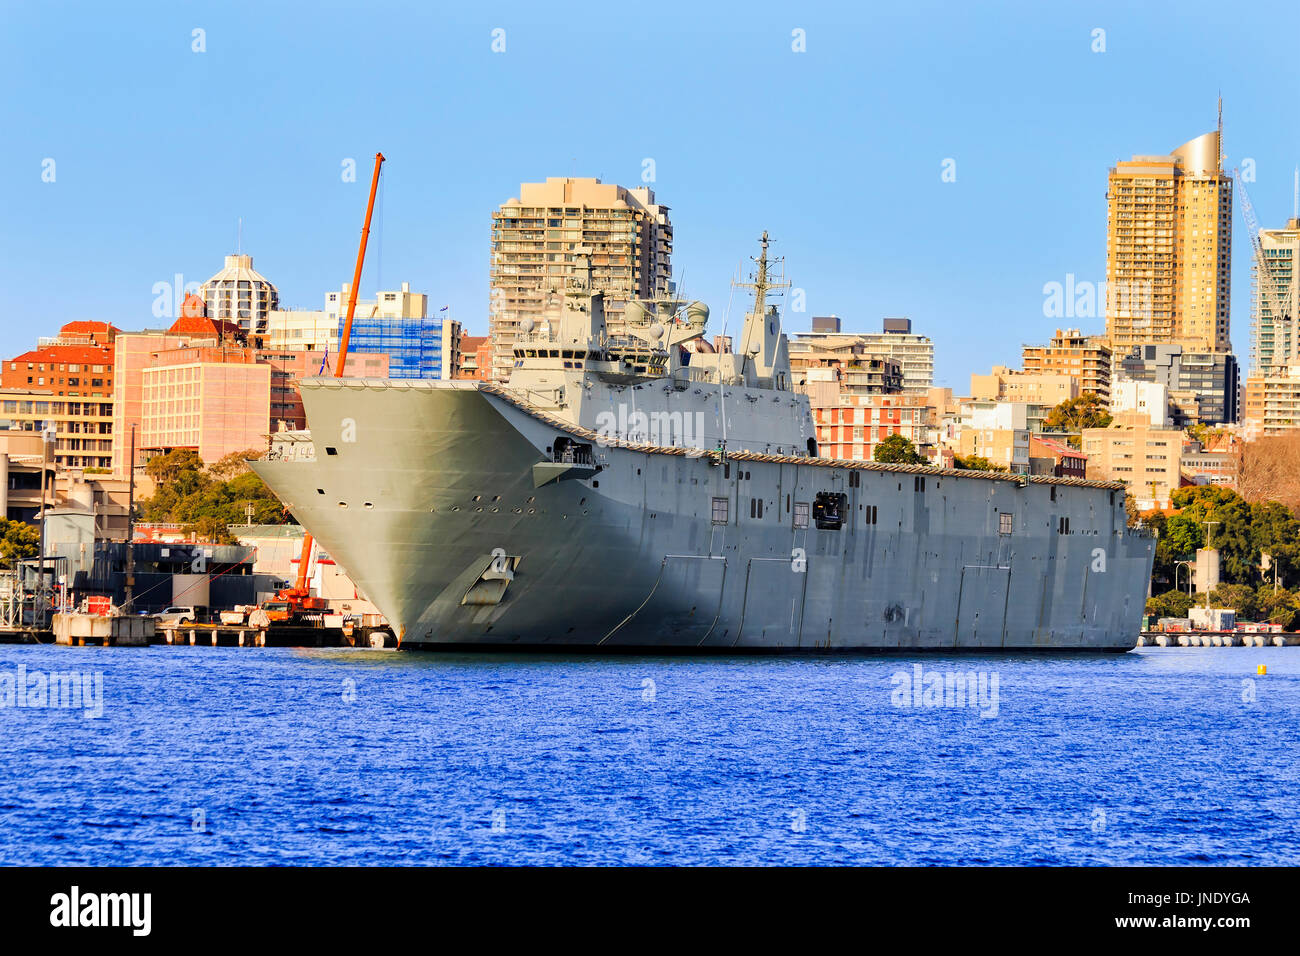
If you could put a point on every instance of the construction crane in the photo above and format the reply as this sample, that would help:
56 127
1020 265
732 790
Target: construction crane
290 603
1281 304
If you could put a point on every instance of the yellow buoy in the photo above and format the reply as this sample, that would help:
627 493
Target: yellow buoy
1261 669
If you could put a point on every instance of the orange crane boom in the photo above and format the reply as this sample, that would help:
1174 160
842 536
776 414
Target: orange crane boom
300 590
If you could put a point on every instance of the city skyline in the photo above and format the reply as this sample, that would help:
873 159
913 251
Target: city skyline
851 186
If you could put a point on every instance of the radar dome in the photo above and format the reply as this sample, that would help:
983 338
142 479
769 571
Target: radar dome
657 330
526 325
635 312
697 313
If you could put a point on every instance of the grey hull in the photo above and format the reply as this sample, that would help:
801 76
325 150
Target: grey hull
427 493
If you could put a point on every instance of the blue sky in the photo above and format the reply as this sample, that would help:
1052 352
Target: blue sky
837 151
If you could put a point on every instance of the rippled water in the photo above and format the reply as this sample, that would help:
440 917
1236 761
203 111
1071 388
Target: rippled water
255 756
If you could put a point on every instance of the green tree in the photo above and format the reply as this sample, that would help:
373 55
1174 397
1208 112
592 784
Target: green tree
207 501
18 540
1075 414
898 450
1275 531
1170 604
1241 597
169 468
1230 533
1280 608
974 463
234 464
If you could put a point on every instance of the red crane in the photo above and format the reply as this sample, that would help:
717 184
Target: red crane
298 598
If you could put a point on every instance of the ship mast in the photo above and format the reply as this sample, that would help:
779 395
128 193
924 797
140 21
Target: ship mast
762 286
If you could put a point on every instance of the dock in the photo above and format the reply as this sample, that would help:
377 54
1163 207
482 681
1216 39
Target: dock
213 635
1216 639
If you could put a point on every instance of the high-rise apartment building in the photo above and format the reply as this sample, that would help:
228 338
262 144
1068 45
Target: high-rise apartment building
537 237
1273 401
913 353
1209 379
240 294
1169 248
1275 342
1085 358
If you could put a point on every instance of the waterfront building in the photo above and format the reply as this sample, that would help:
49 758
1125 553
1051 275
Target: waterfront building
625 233
857 374
1169 249
1146 457
475 357
81 370
1210 379
1055 457
240 294
22 463
1203 466
1148 398
81 332
397 324
311 330
1085 358
133 353
1273 401
850 424
896 341
1274 339
213 399
289 366
1034 388
82 426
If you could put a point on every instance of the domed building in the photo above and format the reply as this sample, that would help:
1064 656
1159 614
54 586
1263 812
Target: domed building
240 294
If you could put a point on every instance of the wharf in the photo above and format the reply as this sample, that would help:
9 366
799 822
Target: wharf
211 635
1216 639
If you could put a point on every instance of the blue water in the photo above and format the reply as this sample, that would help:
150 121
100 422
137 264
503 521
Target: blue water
269 756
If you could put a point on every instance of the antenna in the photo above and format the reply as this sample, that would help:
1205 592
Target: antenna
239 237
1220 130
722 392
1295 202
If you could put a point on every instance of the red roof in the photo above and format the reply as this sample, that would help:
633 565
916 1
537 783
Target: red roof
1064 450
201 325
75 354
90 327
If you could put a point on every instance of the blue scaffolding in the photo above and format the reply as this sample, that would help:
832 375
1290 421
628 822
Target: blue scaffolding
413 346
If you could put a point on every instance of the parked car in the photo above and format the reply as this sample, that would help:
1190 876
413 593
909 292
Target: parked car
177 615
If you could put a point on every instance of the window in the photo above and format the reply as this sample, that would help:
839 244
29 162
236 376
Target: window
800 515
720 509
1005 521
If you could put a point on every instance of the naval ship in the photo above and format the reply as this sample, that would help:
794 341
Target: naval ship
633 489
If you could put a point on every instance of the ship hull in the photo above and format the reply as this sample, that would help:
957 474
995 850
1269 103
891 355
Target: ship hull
445 506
